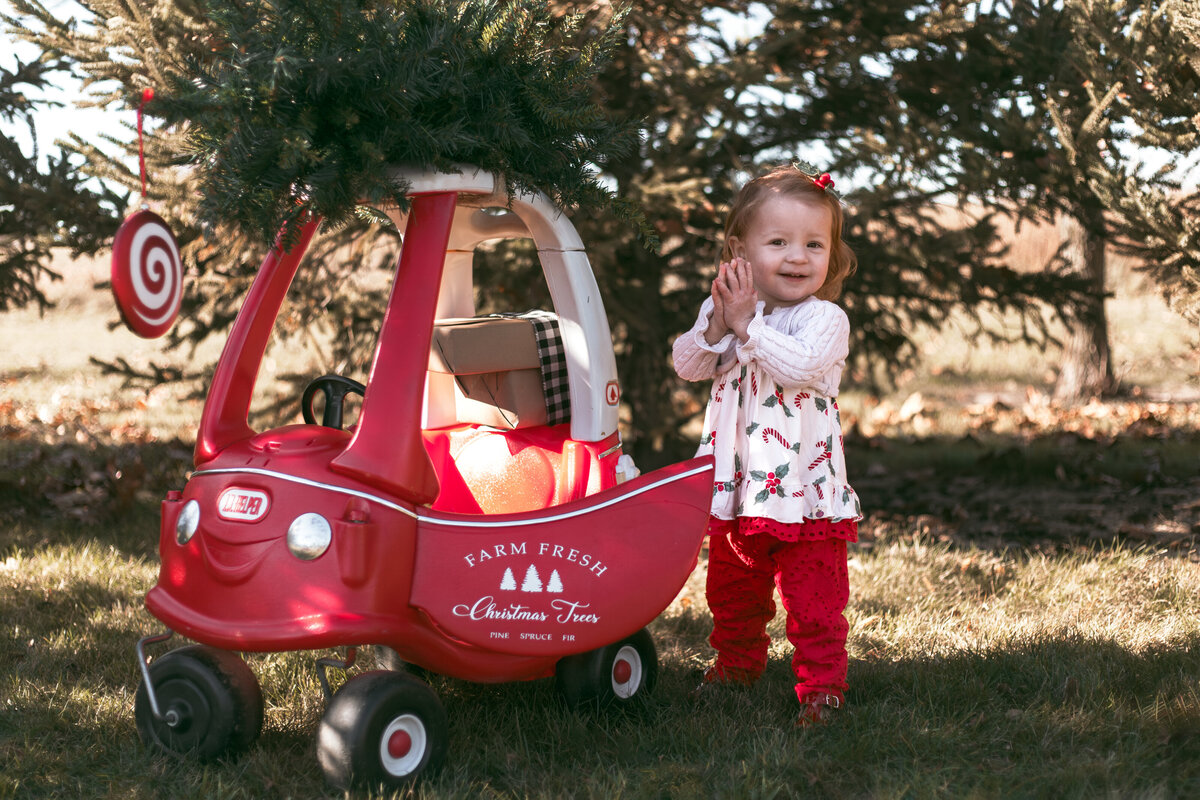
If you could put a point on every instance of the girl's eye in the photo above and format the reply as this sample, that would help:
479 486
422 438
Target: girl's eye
776 242
815 245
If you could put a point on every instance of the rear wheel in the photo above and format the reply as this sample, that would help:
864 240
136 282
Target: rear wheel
620 674
210 701
382 728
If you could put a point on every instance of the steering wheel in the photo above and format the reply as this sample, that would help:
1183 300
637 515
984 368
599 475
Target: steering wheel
335 388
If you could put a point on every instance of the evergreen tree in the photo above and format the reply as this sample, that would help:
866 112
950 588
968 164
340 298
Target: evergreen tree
303 108
1018 105
508 582
41 207
1159 220
1123 77
532 581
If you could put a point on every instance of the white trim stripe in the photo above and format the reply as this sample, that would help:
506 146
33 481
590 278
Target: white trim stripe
457 523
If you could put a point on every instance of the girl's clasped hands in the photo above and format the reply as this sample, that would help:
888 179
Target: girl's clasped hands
734 300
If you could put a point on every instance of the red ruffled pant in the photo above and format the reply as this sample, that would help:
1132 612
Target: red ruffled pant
744 569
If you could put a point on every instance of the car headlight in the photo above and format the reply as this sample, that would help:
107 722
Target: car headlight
187 522
309 536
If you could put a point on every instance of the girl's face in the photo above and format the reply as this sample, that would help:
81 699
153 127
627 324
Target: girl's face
788 242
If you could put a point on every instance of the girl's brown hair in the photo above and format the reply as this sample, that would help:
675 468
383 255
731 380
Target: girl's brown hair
790 181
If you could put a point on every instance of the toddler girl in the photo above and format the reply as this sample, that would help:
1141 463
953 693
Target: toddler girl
774 346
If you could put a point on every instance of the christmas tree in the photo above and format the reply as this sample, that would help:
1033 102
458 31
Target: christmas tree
303 107
508 583
533 581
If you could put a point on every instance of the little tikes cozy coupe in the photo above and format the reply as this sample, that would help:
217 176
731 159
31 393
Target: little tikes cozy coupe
458 523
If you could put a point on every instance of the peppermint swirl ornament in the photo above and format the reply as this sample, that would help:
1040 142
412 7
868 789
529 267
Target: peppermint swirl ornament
147 274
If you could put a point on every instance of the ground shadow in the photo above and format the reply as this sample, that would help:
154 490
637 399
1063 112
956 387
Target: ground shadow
1043 493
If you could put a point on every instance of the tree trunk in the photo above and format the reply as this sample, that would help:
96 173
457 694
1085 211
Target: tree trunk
1086 365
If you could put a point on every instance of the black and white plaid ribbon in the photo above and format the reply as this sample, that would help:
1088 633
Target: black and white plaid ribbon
553 358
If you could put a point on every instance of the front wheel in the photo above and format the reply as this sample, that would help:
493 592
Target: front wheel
384 728
210 700
620 674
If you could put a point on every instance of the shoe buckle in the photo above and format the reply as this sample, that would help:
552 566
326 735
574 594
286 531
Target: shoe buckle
828 700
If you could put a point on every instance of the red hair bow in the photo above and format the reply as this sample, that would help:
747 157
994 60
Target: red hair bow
825 182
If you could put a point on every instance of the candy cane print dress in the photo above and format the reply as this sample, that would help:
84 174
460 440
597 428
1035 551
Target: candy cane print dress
772 421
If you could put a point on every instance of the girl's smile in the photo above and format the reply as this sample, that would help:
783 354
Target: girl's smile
788 244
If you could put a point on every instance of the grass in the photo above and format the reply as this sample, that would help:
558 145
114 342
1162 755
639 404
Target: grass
973 673
982 664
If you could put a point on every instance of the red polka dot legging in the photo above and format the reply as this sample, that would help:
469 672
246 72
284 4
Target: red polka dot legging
814 585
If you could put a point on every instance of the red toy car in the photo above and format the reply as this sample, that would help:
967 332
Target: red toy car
459 523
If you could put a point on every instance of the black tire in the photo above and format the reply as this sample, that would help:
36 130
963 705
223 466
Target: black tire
214 698
621 674
382 728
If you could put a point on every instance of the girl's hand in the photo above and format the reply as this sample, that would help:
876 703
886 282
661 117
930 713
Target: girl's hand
717 328
739 298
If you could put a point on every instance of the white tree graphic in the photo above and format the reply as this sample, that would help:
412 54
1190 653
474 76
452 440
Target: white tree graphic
533 581
555 583
508 583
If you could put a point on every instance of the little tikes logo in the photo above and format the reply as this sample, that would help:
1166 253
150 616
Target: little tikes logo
242 505
526 601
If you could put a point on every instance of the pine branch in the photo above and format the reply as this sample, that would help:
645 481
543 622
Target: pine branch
294 114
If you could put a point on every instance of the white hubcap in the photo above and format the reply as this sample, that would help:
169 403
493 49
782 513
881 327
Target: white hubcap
627 672
402 745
